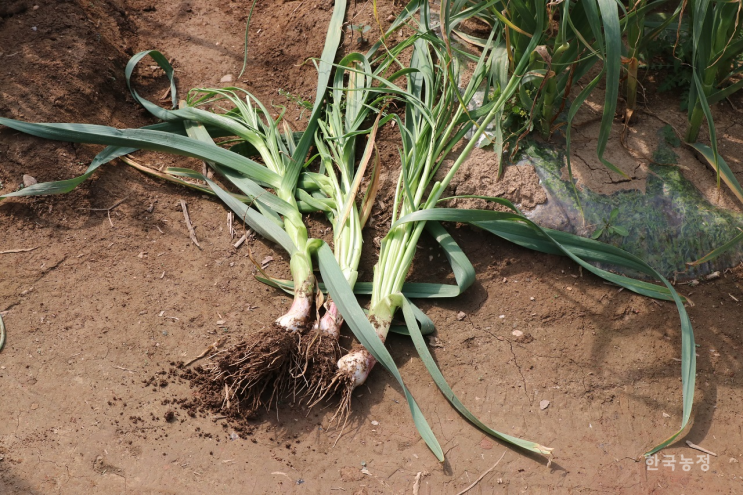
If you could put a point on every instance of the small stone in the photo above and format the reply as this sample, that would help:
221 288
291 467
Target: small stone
532 299
34 406
517 333
502 316
36 7
375 423
544 404
221 322
29 181
390 18
461 315
486 444
666 415
226 78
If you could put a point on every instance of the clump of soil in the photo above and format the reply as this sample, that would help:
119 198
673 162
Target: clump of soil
477 176
270 369
316 367
249 375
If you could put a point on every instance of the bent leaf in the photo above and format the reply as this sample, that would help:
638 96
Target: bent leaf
354 316
438 378
594 250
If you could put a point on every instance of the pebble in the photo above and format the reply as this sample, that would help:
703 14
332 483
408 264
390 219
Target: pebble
517 333
461 315
227 78
544 404
375 423
29 181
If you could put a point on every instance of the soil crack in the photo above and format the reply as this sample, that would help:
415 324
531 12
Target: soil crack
518 367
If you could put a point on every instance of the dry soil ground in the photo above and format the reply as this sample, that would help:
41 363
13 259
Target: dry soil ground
100 305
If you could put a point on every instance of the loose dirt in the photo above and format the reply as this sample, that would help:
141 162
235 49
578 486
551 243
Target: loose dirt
519 183
101 311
